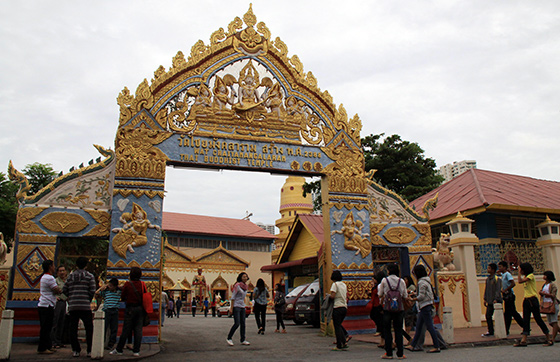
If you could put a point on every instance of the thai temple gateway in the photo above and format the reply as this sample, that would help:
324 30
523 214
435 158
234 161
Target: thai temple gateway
240 101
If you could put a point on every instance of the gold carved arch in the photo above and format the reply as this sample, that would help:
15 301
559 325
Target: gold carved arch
219 284
244 85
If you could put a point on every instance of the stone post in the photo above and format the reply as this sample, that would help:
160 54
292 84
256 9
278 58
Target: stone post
98 342
499 323
462 240
447 325
6 332
549 240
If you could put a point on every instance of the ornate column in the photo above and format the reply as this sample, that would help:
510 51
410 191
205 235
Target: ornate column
549 240
462 240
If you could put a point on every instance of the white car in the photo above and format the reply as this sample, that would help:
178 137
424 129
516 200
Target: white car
224 309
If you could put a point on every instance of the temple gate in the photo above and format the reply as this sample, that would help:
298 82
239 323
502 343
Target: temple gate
241 103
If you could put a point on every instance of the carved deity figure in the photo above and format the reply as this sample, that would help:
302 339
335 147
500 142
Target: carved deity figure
222 94
133 233
354 239
203 99
443 256
248 94
273 100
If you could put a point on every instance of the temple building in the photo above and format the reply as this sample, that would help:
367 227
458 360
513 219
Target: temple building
203 254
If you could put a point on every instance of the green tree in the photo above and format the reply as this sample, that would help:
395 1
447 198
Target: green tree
401 167
8 207
39 175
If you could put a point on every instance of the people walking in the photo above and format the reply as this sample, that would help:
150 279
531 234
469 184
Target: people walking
80 288
48 289
411 314
239 292
111 295
392 292
213 306
260 298
376 313
425 298
170 308
178 305
549 293
163 304
193 306
508 296
59 309
279 306
338 293
134 313
530 304
492 294
206 306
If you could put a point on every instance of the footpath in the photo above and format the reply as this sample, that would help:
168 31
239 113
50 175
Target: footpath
464 337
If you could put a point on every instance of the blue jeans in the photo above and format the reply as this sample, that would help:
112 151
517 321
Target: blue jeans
112 324
425 318
238 320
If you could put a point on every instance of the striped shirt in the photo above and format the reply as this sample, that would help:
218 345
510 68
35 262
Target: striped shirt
80 288
111 299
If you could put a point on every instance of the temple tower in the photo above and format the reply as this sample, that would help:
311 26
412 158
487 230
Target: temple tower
292 203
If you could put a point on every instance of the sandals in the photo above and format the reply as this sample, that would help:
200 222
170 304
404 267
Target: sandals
520 344
434 350
548 344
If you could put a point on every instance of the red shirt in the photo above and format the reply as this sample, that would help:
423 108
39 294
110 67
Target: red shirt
128 294
375 301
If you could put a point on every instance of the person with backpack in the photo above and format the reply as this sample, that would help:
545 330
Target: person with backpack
425 298
392 291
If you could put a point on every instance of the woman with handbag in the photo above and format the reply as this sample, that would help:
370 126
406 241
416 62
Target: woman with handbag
239 292
279 306
530 303
549 304
134 313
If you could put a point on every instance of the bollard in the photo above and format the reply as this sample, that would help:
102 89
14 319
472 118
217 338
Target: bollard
499 323
447 325
98 342
6 332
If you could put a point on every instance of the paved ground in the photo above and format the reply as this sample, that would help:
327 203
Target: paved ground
204 339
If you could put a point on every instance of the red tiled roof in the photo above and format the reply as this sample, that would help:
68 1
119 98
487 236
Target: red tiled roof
210 225
476 188
314 224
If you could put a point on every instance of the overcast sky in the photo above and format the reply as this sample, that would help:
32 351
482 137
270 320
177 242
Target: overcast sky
464 79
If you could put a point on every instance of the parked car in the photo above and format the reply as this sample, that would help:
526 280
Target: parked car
291 299
308 305
224 310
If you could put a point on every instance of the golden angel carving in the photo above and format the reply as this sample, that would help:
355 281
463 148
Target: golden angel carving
354 239
133 233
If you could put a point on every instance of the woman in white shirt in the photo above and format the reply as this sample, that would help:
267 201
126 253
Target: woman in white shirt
338 293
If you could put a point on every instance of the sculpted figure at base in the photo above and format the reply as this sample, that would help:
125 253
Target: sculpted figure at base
443 256
3 249
133 233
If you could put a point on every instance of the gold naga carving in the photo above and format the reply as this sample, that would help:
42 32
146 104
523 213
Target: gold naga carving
136 154
25 223
346 173
64 222
399 235
19 178
354 238
133 232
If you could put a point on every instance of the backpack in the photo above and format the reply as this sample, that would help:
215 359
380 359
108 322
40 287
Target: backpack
393 301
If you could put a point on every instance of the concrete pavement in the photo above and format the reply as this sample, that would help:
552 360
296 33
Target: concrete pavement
190 338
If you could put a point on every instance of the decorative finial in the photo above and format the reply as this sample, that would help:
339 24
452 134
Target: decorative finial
249 18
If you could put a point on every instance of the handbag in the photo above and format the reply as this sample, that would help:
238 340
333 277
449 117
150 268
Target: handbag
548 308
408 303
147 300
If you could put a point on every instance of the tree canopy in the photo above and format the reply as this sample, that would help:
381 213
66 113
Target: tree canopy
39 175
401 166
